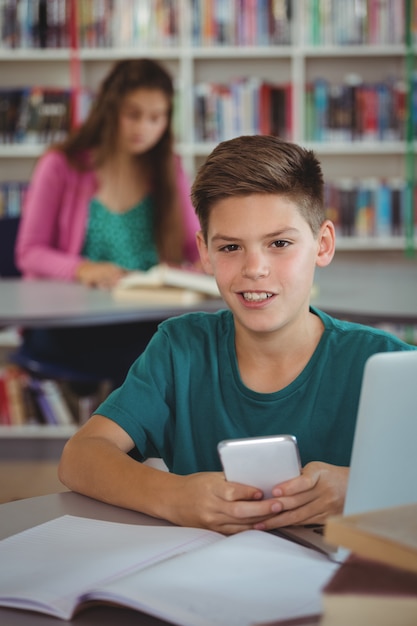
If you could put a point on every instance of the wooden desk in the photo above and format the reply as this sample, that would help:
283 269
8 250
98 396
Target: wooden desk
23 514
32 303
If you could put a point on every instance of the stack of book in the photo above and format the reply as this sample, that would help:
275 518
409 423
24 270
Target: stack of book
377 584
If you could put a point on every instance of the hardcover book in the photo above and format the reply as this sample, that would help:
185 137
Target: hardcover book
386 535
367 593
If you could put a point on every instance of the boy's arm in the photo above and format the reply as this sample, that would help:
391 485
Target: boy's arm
95 463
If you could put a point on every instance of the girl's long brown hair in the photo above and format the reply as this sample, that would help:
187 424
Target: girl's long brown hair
99 133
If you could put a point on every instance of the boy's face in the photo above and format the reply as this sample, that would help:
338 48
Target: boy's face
263 255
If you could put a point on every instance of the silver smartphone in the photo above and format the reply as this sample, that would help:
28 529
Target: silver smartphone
261 462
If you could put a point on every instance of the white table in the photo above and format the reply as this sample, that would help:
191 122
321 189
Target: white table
35 303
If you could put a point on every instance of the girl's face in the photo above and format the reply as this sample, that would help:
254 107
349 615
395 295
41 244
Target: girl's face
143 120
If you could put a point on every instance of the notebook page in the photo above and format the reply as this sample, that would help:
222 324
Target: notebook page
54 563
248 578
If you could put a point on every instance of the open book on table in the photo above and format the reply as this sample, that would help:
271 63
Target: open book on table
167 284
187 576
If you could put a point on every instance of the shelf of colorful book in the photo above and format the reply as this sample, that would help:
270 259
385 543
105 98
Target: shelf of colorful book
168 22
213 47
223 70
32 407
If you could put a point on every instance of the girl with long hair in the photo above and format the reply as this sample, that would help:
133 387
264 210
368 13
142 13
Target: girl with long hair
112 197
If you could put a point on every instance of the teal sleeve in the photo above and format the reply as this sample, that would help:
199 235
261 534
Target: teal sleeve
142 406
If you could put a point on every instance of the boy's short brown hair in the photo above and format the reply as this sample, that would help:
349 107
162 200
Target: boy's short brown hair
260 164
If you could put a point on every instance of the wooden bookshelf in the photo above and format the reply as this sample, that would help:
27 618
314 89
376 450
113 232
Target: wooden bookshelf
294 52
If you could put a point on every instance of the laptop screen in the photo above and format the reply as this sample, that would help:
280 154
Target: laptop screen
383 469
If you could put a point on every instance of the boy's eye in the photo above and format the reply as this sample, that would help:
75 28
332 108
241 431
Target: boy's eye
280 243
231 247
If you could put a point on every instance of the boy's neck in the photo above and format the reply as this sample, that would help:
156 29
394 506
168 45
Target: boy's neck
270 362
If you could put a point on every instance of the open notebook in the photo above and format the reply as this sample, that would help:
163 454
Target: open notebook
383 466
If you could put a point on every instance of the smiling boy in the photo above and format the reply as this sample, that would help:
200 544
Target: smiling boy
268 364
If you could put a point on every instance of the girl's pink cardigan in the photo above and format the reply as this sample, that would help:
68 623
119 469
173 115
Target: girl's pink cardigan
54 218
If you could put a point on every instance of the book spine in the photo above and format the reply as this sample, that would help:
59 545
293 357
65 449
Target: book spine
321 107
383 211
13 379
397 187
5 418
12 195
57 402
347 207
265 108
366 213
46 411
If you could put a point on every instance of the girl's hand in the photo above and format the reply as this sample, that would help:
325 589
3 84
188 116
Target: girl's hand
99 274
310 498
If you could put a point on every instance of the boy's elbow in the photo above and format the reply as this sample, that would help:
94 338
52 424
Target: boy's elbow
70 467
61 474
64 467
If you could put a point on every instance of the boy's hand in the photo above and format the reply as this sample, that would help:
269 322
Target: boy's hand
207 500
310 498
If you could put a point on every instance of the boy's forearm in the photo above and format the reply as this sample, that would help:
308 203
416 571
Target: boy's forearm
98 469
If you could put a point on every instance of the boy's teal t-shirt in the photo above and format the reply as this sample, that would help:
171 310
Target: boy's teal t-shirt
126 239
184 394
